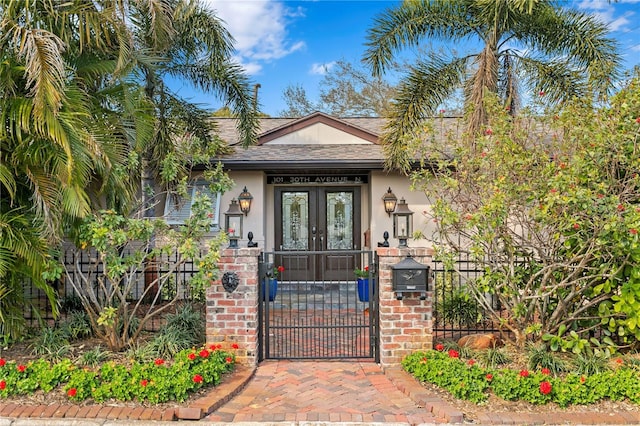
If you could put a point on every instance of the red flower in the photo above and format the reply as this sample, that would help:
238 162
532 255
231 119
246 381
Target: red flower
423 360
235 346
212 347
453 353
483 154
442 111
524 373
582 379
204 353
488 132
229 360
144 383
3 385
21 368
159 361
197 378
471 362
2 362
192 356
545 388
541 93
72 392
440 347
633 231
620 208
545 371
576 226
489 377
619 360
553 190
281 268
638 120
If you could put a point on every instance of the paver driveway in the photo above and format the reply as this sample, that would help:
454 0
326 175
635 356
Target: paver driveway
335 391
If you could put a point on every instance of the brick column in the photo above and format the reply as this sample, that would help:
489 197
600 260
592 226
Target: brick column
405 325
233 317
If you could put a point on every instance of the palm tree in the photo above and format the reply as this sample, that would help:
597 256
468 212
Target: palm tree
536 44
184 41
82 96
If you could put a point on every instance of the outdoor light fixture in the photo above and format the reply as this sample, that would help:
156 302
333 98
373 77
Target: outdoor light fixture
402 223
233 223
389 199
244 199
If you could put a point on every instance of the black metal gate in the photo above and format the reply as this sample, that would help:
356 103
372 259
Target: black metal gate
318 319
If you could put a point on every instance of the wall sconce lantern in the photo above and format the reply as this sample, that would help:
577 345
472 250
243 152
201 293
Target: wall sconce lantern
244 199
233 223
389 199
402 223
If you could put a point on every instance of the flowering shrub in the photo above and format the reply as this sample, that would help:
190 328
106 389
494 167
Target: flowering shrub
156 381
362 273
276 271
467 380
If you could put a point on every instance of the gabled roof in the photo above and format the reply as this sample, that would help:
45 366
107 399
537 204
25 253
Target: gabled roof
315 118
300 156
357 126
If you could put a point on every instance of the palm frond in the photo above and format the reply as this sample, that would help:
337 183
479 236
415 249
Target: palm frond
405 25
426 86
575 37
558 79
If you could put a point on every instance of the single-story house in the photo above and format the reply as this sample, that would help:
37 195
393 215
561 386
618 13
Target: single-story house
317 183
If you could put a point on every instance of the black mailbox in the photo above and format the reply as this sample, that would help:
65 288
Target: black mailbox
410 276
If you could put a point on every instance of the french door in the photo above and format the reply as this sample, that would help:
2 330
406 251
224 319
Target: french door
321 221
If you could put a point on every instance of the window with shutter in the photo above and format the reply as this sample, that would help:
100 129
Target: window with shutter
178 209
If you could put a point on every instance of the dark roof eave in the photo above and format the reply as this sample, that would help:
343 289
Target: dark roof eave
306 165
299 165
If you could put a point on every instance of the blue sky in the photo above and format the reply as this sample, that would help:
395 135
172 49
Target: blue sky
282 43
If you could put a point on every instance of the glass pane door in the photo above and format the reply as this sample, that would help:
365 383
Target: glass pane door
318 220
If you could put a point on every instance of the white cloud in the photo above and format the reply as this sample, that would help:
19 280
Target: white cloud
321 69
606 12
259 28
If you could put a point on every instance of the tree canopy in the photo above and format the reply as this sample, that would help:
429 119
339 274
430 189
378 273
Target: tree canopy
346 90
548 208
507 47
89 114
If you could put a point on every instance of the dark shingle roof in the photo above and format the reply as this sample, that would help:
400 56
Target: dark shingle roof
299 157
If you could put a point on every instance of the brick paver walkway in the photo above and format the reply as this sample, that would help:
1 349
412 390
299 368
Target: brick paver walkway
333 391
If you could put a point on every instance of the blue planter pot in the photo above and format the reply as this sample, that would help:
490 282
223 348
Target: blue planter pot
363 289
271 291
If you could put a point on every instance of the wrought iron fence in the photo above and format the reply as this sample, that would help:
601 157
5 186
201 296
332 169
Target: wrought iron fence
39 311
455 310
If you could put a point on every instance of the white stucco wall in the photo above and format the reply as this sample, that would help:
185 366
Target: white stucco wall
255 182
416 200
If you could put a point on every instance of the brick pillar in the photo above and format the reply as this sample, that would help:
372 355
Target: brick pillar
233 317
405 325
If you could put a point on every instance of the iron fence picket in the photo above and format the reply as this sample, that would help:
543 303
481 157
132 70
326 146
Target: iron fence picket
39 312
